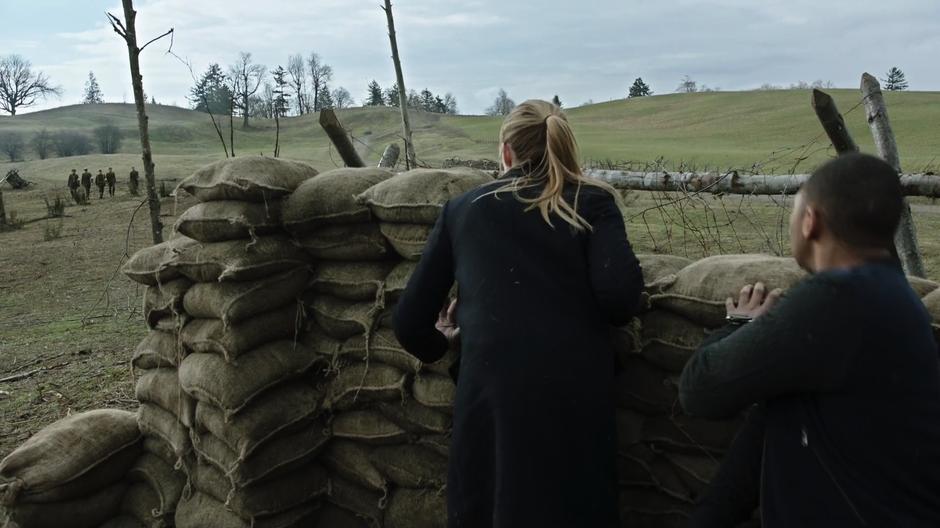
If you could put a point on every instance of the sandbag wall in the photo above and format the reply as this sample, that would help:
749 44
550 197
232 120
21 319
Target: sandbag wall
390 414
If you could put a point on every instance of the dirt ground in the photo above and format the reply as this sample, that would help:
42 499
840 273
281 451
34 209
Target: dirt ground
69 321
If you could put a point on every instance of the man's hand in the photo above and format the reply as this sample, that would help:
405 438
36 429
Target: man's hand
447 324
753 301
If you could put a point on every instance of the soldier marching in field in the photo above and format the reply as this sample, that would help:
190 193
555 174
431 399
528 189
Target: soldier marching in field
111 179
134 182
99 182
86 183
73 185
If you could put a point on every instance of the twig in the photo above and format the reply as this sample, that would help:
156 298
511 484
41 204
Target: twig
22 375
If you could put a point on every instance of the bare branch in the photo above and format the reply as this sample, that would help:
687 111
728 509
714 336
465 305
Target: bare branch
170 32
117 25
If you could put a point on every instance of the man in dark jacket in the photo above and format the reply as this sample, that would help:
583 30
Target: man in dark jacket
99 182
843 369
111 180
73 185
86 183
133 182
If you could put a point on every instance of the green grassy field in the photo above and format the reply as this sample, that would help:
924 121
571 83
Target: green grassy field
70 322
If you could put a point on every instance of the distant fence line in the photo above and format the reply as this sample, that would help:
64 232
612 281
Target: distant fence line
927 184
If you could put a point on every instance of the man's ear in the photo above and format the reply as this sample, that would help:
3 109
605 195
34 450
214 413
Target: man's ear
507 156
811 224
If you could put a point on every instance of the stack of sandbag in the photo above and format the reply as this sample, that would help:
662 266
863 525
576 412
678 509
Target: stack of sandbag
390 414
72 473
251 384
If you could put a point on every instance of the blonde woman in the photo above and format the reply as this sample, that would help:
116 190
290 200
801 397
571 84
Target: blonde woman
544 268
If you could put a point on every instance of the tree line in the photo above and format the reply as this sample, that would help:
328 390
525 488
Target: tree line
63 143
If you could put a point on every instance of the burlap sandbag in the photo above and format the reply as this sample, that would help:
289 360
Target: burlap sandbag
645 388
332 516
439 443
417 196
239 260
89 511
164 300
209 378
350 460
641 466
669 340
411 466
649 508
630 425
172 324
698 291
161 387
165 483
156 264
932 303
434 391
158 349
688 434
365 503
212 336
696 471
352 242
408 240
397 280
228 220
123 521
330 198
201 510
381 346
416 508
155 422
317 340
922 287
286 450
339 318
159 448
360 382
300 486
353 281
416 418
70 458
655 267
247 179
142 502
367 426
283 409
236 301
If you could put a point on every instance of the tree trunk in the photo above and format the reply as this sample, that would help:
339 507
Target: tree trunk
410 158
231 125
906 237
734 183
340 139
3 212
833 123
245 103
133 53
390 156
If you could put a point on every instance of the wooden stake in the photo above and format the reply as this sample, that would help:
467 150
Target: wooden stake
3 212
390 156
340 139
832 123
410 158
906 237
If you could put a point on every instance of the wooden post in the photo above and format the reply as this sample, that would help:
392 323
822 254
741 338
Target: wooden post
410 158
129 33
340 139
3 212
833 123
906 237
390 156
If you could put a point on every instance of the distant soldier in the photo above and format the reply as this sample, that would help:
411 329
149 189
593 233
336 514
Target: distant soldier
134 182
86 183
73 185
99 182
111 178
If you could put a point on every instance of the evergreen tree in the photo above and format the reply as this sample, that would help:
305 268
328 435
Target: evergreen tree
93 93
640 88
896 80
281 92
391 96
556 101
427 100
375 96
413 99
212 93
325 97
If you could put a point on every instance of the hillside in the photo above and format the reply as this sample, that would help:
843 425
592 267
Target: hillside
724 129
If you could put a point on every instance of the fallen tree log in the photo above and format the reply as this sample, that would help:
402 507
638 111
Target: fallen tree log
733 183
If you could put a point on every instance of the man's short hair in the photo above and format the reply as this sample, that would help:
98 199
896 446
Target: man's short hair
860 199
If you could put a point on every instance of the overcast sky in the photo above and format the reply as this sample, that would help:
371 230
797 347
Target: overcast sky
581 50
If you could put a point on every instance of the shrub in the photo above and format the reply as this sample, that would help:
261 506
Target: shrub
43 143
52 230
11 144
68 143
108 138
56 208
163 191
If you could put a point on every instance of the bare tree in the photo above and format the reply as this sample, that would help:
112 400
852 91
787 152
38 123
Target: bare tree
342 98
20 87
502 105
247 78
320 74
410 157
128 32
298 82
687 85
12 144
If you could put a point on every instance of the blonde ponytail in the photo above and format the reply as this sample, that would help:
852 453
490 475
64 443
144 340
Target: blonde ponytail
544 144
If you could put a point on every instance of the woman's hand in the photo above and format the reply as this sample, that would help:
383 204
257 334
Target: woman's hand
753 302
447 324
